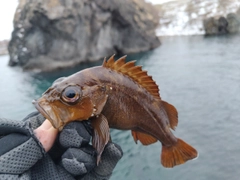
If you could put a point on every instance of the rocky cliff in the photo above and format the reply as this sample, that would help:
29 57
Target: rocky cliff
217 25
51 34
191 17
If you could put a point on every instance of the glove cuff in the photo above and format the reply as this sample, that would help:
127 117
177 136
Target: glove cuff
32 134
97 176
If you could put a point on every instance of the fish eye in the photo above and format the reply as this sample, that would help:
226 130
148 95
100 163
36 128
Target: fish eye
71 94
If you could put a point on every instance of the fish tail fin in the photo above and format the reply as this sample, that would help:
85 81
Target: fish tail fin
177 154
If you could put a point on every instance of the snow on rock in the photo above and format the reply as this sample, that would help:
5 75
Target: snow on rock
185 17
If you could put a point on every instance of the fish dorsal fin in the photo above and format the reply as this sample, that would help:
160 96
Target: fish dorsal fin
134 72
172 114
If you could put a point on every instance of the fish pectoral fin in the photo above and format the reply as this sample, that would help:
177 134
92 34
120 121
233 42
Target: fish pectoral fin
145 139
101 103
177 154
100 134
172 114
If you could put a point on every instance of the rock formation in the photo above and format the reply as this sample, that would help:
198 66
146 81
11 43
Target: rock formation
222 25
191 17
51 34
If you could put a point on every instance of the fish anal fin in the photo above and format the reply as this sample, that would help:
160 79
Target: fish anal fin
177 154
172 114
101 134
145 139
134 72
134 135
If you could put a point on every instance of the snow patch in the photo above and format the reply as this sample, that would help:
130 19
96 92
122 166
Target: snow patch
186 17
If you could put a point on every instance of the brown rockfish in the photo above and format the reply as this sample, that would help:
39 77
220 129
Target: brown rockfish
116 95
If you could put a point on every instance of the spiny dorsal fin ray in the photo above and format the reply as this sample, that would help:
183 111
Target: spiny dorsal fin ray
134 72
118 64
129 65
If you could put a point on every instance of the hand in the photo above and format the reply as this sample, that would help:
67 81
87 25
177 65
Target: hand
109 159
22 153
20 149
46 134
80 158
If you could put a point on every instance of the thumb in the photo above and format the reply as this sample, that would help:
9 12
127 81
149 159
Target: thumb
46 134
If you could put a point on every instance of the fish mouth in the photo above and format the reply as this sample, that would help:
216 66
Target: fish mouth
47 115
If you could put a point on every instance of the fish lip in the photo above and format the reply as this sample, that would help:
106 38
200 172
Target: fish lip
41 110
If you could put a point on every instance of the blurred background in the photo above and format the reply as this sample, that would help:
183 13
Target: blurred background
190 47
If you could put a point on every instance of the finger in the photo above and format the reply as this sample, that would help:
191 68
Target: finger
53 132
51 135
74 167
74 134
110 157
46 136
46 124
70 138
78 162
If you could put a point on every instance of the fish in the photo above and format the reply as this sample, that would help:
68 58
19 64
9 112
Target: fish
118 95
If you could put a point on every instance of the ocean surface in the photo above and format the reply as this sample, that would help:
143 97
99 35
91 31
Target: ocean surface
199 75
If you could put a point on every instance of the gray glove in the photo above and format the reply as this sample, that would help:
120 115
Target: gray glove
80 161
110 156
19 149
23 157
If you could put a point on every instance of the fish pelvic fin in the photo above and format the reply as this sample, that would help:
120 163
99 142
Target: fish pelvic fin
134 72
101 134
145 139
171 113
177 154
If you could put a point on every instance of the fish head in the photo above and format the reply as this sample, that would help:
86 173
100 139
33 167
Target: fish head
65 102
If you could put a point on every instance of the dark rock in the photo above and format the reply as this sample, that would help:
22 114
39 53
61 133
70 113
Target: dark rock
222 25
216 26
210 26
233 23
50 34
